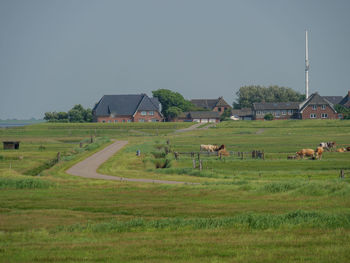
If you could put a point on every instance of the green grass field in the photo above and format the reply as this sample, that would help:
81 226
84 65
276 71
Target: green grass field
250 210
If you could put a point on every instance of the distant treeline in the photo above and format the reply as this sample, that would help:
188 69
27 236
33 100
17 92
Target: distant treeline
76 114
247 95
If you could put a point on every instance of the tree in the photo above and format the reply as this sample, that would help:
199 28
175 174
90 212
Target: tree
248 95
343 110
76 114
170 99
226 114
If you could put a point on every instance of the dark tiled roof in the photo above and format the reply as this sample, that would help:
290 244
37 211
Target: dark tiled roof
123 104
206 104
199 115
243 112
346 100
210 103
333 99
204 114
276 105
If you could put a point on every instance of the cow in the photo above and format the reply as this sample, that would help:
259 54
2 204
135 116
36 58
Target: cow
341 150
305 152
327 145
348 149
318 153
223 152
208 147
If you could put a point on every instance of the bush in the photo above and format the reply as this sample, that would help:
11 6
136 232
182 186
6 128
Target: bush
268 117
162 163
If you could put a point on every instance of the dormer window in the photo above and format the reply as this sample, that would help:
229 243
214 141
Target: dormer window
314 107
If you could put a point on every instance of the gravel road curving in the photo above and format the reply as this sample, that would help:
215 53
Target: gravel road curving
88 167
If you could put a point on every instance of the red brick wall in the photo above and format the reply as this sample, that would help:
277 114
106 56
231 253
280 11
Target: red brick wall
308 110
113 119
136 118
222 109
147 118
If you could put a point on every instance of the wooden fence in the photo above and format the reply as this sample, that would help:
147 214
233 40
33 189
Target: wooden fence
255 154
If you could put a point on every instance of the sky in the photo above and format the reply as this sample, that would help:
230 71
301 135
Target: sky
58 53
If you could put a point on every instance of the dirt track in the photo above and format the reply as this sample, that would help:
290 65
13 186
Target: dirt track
88 167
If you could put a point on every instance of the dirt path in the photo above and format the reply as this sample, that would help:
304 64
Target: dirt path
191 128
88 167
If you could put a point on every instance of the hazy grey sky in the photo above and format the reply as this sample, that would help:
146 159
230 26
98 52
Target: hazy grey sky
54 54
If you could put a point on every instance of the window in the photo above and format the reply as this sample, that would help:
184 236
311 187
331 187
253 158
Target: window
103 121
284 112
258 112
219 109
312 115
129 120
154 120
151 113
324 115
277 113
141 120
143 113
323 107
290 112
314 107
115 120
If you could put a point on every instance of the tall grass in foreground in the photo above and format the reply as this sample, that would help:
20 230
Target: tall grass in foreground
248 220
24 183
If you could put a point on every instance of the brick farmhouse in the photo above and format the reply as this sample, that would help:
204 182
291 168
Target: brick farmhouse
218 105
127 108
315 107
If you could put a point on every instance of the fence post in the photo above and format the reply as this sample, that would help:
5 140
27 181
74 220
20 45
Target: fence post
194 163
342 174
58 156
242 155
200 165
81 145
92 138
176 154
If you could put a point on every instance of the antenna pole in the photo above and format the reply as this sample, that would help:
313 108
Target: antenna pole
307 65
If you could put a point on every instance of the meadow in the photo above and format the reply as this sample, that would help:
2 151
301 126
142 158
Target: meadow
242 210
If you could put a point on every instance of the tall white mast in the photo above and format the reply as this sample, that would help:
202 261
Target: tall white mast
307 65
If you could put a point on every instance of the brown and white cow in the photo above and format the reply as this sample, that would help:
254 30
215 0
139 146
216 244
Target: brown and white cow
305 152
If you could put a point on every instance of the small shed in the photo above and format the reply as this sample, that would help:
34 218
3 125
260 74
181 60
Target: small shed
11 145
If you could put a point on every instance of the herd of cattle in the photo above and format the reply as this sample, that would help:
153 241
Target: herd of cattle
314 154
317 154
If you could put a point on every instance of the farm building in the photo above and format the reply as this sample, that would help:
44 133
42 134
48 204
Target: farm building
243 114
199 116
279 110
315 107
218 105
11 145
127 108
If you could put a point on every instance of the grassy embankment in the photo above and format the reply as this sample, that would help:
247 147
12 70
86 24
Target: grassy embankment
269 210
